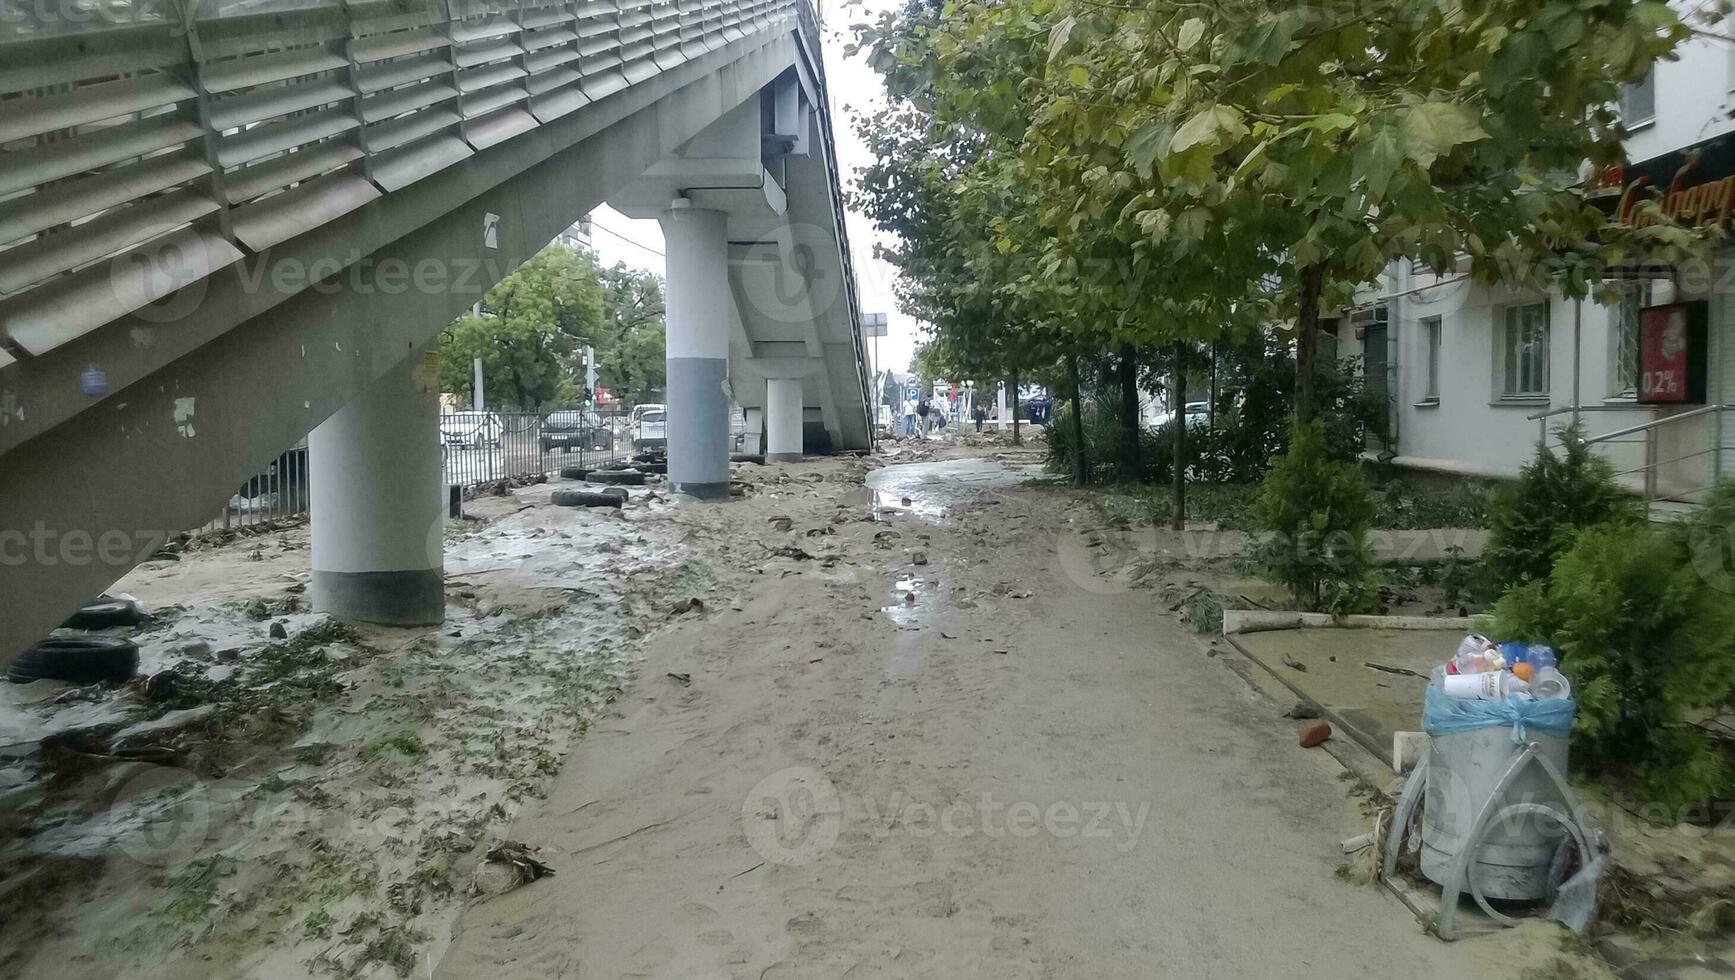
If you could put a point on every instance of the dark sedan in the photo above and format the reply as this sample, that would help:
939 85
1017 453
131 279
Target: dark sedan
573 429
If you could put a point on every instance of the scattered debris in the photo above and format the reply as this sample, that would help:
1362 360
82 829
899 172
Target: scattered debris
687 605
1403 671
1303 711
1294 664
790 551
507 866
1315 734
279 631
918 557
685 680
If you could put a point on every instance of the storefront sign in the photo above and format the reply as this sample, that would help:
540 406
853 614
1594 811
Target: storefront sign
1672 354
1694 187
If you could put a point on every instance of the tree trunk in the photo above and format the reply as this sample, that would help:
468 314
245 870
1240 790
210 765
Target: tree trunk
1178 419
1130 468
1211 419
1080 465
1017 439
1307 340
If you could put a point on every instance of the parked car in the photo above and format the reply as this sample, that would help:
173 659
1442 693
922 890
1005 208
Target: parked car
1198 415
471 430
650 429
574 429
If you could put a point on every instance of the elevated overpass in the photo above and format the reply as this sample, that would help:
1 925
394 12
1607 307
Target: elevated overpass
227 226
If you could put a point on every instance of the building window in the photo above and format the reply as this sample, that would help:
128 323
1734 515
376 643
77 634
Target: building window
1639 101
1524 351
1431 338
1634 298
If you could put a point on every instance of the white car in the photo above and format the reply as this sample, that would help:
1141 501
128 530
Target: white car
1198 415
650 429
471 430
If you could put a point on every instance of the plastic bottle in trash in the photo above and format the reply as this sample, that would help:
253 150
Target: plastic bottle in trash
1485 661
1550 684
1487 686
1542 656
1473 643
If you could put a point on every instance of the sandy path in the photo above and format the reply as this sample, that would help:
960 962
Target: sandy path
1046 785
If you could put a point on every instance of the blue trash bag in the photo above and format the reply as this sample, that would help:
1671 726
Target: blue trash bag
1446 715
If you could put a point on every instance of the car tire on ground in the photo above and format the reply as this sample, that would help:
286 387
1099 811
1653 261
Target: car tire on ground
105 613
612 497
574 472
79 659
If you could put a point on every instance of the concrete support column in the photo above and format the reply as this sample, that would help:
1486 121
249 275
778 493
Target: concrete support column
377 500
696 247
753 441
782 420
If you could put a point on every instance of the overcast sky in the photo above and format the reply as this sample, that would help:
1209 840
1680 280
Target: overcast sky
855 89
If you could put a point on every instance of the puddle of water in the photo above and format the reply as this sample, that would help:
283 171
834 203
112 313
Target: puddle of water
914 601
929 490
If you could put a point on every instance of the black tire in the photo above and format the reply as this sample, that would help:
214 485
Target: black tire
656 467
626 478
79 659
574 472
616 465
105 613
753 458
612 497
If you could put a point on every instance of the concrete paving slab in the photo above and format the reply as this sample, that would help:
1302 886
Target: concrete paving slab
1364 703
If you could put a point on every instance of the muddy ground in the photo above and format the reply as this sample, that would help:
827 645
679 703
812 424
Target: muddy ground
912 726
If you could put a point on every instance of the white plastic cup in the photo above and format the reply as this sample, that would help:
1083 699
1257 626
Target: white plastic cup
1551 684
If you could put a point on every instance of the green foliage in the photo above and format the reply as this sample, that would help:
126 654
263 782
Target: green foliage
1315 511
535 324
531 328
1407 505
1645 625
1533 520
630 342
1103 446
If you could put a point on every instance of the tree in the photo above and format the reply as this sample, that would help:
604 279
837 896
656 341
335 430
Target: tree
630 347
1297 150
528 333
533 327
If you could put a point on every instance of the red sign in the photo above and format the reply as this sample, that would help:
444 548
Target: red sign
1664 343
604 396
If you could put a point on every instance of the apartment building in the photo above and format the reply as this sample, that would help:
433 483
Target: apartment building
1474 376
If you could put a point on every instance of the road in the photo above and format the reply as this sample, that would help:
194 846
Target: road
933 751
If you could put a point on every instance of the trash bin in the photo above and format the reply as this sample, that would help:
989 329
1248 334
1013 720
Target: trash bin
1486 756
1465 770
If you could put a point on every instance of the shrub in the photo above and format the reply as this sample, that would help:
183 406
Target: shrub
1316 510
1532 521
1102 440
1645 627
1405 505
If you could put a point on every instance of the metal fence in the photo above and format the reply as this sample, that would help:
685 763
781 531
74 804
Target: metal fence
484 446
476 447
277 493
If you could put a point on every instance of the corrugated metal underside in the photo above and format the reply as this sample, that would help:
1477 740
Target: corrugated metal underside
138 158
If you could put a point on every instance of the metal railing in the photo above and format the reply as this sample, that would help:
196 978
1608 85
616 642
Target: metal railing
276 494
1666 471
519 445
483 447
